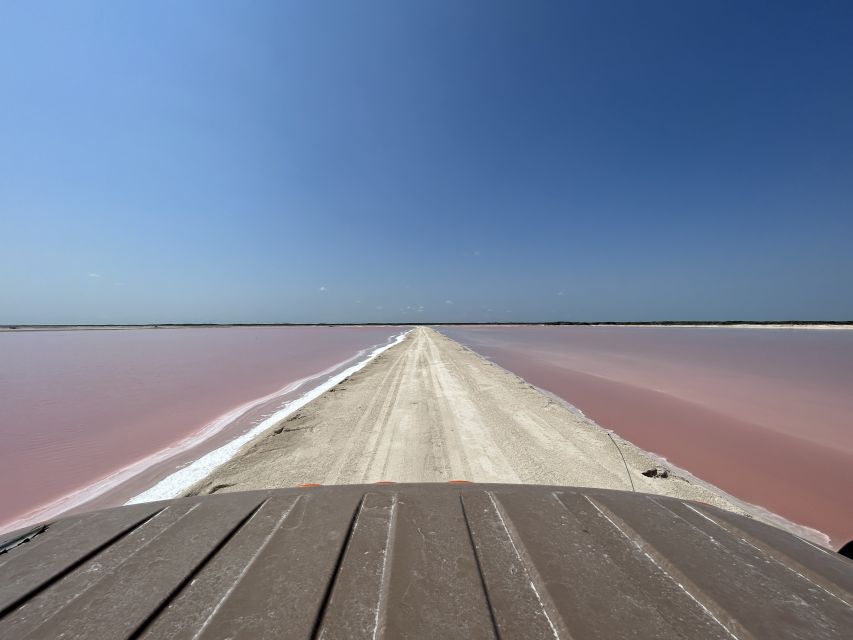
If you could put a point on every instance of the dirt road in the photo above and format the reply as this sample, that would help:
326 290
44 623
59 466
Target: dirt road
430 410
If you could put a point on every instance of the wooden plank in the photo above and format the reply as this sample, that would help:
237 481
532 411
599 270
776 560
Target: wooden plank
35 565
356 608
762 596
124 600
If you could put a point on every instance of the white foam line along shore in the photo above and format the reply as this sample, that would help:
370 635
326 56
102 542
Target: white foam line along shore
100 486
173 485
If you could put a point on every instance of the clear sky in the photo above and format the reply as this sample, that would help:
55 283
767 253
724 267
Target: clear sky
425 161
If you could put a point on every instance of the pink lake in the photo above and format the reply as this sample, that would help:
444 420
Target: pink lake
78 406
765 414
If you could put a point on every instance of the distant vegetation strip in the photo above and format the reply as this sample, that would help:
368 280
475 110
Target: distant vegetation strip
561 323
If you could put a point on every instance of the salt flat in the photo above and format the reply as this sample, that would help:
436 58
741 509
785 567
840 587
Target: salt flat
431 410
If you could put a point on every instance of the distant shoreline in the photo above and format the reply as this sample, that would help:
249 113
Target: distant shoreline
738 324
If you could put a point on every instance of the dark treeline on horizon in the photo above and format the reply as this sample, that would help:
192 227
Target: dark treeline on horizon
655 323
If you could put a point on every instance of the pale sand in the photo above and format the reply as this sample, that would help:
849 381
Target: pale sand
431 410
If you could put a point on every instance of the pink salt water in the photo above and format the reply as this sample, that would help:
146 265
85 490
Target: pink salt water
78 406
765 414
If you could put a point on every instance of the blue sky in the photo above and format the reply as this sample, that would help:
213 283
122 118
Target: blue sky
425 161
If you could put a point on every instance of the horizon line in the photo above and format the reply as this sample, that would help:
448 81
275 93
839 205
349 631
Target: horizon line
154 325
